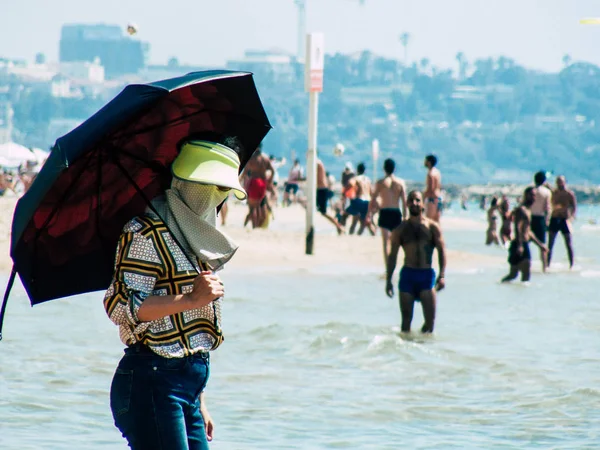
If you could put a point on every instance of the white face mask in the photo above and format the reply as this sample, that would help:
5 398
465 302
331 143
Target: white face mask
202 199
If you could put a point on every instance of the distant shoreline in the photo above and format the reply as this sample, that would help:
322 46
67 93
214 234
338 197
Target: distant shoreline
585 194
282 246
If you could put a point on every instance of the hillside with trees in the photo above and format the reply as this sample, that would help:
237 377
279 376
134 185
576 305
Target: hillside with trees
491 120
496 121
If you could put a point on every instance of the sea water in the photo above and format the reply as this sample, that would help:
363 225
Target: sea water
315 360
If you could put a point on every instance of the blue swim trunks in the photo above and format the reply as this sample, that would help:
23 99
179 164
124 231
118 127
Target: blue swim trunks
358 207
413 281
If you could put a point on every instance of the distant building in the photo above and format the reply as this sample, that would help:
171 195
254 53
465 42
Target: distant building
86 71
61 87
119 54
268 65
27 73
156 72
373 95
495 93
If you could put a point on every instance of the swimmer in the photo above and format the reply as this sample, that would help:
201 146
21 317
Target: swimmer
419 237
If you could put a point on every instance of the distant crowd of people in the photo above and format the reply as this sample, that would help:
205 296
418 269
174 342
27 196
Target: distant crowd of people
412 220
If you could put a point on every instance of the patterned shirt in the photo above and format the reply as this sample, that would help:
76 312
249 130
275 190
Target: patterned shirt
150 262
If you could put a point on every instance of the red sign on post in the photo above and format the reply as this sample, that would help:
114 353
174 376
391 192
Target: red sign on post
315 61
316 81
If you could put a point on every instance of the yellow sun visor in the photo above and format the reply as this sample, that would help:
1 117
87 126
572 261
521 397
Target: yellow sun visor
207 162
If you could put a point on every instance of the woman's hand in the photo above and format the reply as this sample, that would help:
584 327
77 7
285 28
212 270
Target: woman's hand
209 425
208 287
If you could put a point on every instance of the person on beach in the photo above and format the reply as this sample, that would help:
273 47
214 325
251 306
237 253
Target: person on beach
224 211
433 189
166 299
519 254
564 208
419 237
463 201
388 193
540 212
323 195
295 175
28 174
359 205
348 191
482 202
505 215
273 186
259 172
347 175
492 217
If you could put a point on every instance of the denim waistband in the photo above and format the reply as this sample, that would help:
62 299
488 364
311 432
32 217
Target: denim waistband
141 349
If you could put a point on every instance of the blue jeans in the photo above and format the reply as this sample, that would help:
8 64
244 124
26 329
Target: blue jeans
155 400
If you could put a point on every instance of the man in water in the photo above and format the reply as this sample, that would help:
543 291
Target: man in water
433 189
564 207
389 191
258 180
359 206
540 212
418 236
519 255
322 200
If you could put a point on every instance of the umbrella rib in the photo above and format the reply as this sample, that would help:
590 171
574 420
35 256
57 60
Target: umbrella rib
99 197
150 164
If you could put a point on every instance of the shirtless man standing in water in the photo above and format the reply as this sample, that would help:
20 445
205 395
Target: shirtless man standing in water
564 207
389 191
433 189
519 255
258 181
418 236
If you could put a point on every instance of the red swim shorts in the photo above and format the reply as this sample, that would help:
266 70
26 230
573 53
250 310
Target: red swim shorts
257 189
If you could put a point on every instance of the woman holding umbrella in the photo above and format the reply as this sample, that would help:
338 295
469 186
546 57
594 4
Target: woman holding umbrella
166 299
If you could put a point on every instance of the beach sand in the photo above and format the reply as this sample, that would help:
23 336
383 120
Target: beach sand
282 246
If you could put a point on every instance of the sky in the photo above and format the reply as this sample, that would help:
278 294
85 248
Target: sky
536 33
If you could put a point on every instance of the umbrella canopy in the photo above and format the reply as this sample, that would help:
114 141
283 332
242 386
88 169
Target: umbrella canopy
66 227
13 154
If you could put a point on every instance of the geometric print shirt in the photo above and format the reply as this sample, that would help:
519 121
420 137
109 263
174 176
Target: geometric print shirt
150 262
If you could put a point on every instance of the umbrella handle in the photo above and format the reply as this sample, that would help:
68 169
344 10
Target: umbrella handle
11 281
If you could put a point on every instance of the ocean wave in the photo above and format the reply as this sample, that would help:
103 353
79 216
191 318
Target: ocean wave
590 273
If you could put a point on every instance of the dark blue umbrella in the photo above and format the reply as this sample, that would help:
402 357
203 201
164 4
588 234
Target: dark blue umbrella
66 227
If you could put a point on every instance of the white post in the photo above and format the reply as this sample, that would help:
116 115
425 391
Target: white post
311 170
313 81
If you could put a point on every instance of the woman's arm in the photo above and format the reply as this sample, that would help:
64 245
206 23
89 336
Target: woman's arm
207 288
